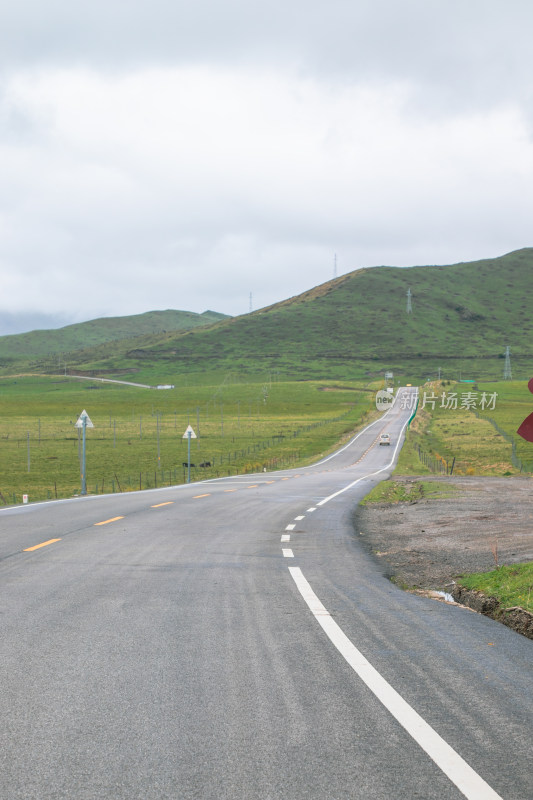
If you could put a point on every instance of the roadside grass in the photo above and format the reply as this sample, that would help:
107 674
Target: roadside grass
391 492
511 585
137 439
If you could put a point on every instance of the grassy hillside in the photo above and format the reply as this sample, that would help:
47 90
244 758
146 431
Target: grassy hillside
356 326
65 340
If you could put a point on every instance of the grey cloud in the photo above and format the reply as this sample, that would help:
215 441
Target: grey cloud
148 162
475 51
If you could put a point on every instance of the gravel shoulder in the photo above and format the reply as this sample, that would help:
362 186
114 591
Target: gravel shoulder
428 543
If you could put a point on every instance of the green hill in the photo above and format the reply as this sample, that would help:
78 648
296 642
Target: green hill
357 325
83 335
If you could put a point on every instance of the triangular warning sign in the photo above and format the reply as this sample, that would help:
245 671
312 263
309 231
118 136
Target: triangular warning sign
84 419
189 432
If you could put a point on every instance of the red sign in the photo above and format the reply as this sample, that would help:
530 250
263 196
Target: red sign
526 428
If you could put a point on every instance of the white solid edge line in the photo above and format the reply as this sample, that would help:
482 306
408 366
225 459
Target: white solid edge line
467 780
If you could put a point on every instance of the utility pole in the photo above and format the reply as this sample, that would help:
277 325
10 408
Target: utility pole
507 374
409 305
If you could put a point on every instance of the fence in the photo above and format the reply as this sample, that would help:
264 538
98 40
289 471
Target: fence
515 460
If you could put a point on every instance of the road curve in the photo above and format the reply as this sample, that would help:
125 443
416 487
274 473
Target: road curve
234 639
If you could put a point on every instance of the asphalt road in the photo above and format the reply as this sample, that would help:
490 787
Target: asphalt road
233 639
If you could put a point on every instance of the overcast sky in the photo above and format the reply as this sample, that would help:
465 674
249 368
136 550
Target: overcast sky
170 154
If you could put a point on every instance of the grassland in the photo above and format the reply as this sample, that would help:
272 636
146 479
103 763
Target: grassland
137 439
466 439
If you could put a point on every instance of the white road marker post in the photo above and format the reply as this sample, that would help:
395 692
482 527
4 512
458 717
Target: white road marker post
189 434
84 422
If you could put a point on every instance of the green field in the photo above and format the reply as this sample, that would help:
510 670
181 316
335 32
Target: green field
466 439
137 439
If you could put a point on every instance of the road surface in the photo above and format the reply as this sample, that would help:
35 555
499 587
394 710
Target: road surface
233 639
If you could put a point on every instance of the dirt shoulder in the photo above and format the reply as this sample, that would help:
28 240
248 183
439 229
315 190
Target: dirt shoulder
429 542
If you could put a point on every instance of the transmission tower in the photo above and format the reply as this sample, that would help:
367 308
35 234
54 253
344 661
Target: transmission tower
409 306
507 374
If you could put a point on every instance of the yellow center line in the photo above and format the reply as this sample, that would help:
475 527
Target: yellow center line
197 496
168 503
106 521
230 490
285 479
43 544
271 481
253 486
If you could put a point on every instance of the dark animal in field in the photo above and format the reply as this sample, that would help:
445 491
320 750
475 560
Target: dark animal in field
205 464
185 464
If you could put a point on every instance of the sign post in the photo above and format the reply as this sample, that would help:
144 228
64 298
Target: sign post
84 422
189 434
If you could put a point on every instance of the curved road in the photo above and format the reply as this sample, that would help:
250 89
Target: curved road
232 639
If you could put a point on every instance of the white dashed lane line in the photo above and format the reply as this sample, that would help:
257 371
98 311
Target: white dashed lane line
285 537
287 552
290 527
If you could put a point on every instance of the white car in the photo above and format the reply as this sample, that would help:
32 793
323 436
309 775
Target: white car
384 438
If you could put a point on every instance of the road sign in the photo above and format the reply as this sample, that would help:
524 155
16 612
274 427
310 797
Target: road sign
84 419
189 433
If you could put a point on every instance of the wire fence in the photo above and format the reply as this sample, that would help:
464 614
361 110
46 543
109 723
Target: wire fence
515 459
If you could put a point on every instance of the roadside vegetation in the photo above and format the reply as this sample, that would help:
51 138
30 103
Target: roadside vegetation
410 491
511 585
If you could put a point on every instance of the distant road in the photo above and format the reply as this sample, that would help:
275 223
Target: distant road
111 380
232 639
